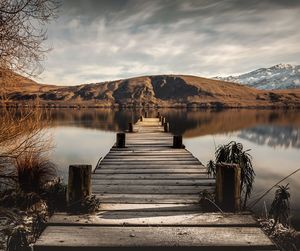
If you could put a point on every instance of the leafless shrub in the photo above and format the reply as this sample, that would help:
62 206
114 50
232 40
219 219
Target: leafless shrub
21 135
23 32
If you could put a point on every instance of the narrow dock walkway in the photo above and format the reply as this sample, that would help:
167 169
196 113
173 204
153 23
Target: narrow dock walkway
150 196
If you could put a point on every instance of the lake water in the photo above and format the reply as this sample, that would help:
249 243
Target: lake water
82 136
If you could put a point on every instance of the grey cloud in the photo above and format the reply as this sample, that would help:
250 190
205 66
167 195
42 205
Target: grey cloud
104 40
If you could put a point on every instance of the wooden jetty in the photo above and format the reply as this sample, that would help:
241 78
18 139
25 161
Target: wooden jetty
149 194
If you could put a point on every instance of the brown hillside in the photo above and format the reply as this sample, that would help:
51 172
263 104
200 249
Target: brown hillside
161 90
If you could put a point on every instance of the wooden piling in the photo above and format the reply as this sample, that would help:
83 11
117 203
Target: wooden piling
166 127
130 127
146 114
79 183
177 141
158 115
141 118
120 143
163 120
228 186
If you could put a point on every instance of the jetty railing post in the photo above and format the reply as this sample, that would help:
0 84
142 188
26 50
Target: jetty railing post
79 183
163 120
141 118
120 142
228 186
158 115
146 114
166 127
160 118
130 127
177 141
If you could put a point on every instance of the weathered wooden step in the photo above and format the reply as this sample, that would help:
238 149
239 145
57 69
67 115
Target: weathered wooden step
148 189
175 182
151 171
165 238
152 176
155 166
158 218
149 198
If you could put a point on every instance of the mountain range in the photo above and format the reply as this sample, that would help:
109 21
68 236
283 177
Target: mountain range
281 76
147 91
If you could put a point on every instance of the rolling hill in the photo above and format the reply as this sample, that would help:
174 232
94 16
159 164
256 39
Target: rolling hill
151 91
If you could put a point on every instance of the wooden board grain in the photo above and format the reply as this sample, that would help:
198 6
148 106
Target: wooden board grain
158 218
96 238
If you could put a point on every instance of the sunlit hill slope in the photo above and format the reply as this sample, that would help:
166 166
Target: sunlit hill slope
149 91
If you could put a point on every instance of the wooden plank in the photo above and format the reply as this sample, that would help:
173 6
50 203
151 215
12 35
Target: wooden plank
158 157
149 176
150 165
101 238
150 150
155 162
143 189
163 218
151 171
175 182
149 198
149 207
141 166
147 159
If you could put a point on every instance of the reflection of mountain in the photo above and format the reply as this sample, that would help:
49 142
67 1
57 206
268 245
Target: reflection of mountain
187 122
285 136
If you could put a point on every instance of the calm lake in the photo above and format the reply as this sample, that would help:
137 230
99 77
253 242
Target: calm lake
85 135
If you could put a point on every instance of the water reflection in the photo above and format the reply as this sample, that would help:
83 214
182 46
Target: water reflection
275 128
273 136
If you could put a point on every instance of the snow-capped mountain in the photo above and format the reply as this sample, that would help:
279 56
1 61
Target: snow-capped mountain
281 76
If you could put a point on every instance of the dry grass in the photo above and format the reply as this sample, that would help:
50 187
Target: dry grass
33 172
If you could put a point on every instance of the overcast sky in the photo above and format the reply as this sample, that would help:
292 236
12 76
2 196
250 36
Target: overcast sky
97 40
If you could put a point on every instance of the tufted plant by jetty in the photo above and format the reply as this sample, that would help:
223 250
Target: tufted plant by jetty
280 207
234 153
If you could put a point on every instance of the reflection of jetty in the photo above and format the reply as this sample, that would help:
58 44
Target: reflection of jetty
150 194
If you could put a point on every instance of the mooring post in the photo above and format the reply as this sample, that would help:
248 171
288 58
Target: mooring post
146 114
158 115
228 186
120 143
130 127
166 127
163 120
177 141
160 118
79 183
141 118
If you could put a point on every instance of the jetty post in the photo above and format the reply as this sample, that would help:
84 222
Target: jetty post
120 142
166 127
228 186
177 141
163 120
79 183
130 127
